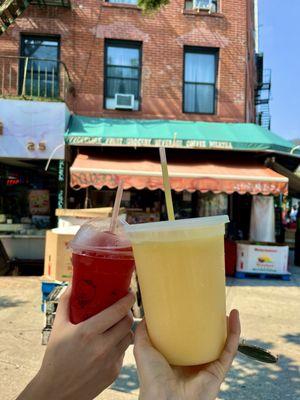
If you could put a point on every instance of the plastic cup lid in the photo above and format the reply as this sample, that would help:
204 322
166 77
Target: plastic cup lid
180 224
92 236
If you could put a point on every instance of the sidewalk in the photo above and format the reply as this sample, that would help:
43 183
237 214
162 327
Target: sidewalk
269 314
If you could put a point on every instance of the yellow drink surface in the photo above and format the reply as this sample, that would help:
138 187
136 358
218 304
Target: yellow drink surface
182 283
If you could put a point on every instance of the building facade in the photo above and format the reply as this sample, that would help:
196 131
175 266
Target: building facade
128 82
189 61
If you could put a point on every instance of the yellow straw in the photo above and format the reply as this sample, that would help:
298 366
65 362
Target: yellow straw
168 196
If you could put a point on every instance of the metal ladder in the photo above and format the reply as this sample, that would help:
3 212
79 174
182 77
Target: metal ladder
10 10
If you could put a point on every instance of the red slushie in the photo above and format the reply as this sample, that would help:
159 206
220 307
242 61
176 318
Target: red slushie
102 268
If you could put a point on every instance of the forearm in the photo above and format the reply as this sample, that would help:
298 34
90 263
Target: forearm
34 390
42 387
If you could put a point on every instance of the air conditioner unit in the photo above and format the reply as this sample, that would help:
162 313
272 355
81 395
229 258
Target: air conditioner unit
203 5
124 101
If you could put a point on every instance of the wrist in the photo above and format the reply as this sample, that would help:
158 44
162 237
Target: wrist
160 393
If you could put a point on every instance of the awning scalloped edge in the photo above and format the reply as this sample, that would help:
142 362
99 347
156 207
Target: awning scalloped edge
229 186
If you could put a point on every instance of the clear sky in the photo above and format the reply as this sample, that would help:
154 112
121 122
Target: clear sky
279 23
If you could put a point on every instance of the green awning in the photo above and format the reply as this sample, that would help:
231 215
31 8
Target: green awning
174 134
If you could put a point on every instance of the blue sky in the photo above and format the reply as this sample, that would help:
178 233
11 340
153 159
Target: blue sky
280 41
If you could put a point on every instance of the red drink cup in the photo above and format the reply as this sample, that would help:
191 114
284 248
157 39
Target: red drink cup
102 268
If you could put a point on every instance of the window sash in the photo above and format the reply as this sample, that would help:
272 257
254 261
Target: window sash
199 98
123 59
124 86
189 5
198 104
111 71
131 84
38 81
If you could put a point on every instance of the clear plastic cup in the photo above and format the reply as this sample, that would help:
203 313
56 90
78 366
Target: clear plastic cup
180 267
102 268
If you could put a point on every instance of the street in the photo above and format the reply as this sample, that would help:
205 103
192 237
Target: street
269 315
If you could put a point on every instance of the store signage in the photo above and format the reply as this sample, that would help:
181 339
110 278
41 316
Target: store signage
42 146
39 202
12 181
141 142
31 146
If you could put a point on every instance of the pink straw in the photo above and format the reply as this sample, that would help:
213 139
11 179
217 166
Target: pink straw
116 209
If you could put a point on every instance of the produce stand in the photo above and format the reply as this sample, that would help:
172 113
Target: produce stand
22 246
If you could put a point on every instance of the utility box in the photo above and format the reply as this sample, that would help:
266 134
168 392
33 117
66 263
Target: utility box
265 258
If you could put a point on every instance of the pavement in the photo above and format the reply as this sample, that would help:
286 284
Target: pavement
270 316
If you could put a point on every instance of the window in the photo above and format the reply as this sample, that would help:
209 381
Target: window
209 5
134 2
39 76
200 69
122 71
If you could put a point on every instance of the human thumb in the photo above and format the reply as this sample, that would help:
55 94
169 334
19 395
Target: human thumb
141 337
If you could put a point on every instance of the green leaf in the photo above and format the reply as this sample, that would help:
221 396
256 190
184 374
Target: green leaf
152 5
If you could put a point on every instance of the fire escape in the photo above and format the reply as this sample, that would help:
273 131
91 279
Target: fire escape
263 93
10 10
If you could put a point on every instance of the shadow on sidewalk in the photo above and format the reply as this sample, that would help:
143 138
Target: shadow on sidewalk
127 380
251 380
6 302
295 339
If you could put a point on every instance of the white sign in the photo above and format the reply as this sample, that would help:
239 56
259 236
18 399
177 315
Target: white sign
146 142
32 129
266 259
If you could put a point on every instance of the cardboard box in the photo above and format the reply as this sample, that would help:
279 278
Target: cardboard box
58 263
70 217
262 258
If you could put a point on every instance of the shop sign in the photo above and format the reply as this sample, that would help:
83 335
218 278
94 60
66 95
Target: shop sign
143 142
12 180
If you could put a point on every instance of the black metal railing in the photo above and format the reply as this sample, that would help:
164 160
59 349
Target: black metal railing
262 98
34 78
55 3
10 10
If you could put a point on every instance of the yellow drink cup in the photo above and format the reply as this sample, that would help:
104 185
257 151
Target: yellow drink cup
180 267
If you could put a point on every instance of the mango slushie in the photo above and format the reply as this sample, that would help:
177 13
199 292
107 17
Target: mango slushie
180 266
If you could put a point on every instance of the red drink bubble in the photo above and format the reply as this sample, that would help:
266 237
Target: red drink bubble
101 273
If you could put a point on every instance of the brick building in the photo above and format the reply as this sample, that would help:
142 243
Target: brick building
164 48
122 83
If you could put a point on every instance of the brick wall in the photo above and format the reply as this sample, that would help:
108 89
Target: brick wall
84 28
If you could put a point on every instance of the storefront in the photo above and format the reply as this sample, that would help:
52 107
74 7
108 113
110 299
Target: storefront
32 133
200 188
214 168
28 198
